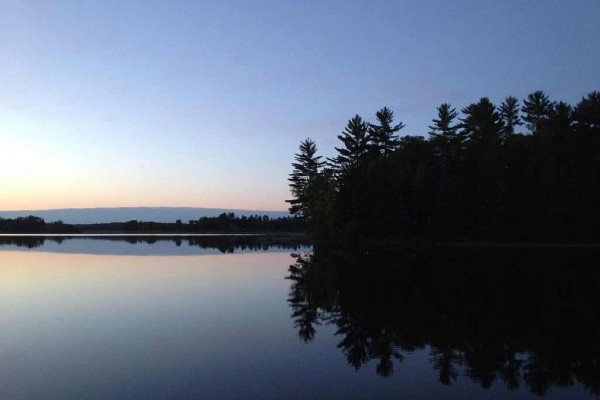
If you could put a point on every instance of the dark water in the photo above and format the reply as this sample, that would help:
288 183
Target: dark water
233 318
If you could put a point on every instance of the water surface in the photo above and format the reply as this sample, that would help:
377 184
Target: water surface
185 318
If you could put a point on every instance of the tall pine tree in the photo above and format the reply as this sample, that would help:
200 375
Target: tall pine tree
482 123
355 145
537 108
383 136
443 125
305 173
444 133
509 114
587 113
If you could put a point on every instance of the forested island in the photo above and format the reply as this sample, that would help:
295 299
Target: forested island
512 172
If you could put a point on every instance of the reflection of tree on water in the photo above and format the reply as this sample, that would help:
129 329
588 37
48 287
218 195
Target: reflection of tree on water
526 317
224 243
28 242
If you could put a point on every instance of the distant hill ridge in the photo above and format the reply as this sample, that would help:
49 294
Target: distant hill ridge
123 214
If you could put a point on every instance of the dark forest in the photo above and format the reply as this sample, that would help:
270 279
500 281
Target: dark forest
516 171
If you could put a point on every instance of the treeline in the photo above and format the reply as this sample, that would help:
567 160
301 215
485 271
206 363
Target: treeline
254 223
31 224
527 171
225 222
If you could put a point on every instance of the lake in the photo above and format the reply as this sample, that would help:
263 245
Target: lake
238 317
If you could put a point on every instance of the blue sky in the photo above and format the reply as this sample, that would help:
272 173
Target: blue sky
191 103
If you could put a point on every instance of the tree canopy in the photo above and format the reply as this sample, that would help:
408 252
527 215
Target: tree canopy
475 177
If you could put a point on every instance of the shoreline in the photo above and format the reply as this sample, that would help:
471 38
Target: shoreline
293 236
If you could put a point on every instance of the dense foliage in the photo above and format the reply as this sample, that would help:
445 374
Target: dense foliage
506 172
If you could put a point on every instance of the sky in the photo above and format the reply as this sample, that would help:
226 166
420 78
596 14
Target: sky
203 104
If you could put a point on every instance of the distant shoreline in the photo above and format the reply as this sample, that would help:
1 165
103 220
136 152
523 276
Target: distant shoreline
224 223
156 234
103 215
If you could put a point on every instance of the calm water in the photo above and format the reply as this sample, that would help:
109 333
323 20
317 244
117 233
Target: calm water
209 318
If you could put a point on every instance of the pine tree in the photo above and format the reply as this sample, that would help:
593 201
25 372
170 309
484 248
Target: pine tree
560 119
443 133
587 113
306 170
482 122
442 126
509 115
537 108
383 136
482 125
355 145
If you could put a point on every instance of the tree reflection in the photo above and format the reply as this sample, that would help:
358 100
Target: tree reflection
28 242
227 244
525 317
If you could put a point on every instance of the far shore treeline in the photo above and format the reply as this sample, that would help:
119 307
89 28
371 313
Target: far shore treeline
224 223
32 224
515 171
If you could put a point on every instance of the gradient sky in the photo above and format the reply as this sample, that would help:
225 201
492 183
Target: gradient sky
201 103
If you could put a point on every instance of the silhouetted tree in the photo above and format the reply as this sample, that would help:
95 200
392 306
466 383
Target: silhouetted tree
509 115
536 108
303 180
560 119
587 113
443 126
355 145
481 124
383 135
444 136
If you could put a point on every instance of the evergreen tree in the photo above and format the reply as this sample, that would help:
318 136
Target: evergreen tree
509 114
383 136
306 171
560 118
444 133
482 123
446 146
586 164
587 113
537 109
355 145
442 126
